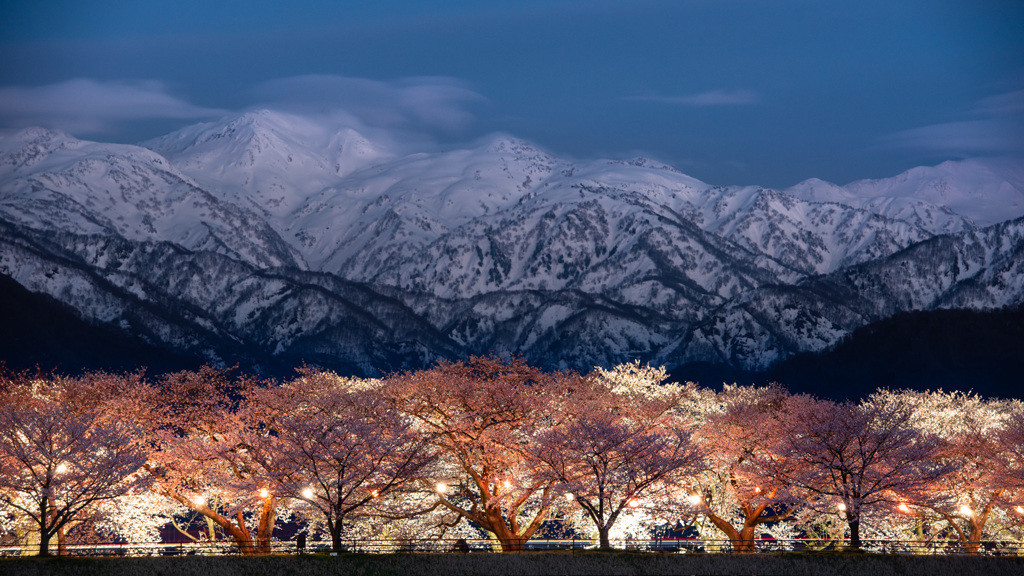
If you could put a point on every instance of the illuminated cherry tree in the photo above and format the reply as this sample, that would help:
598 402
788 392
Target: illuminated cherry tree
742 487
336 444
618 439
201 457
483 416
969 429
66 445
862 456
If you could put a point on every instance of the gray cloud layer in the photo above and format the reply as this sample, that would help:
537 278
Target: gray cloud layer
427 104
84 106
998 128
709 98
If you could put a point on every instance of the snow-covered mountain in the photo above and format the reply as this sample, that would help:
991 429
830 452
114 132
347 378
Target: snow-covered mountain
281 236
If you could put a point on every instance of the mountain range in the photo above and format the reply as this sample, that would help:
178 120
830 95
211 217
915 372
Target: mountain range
268 239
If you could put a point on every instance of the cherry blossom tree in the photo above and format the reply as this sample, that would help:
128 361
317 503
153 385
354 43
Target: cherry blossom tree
67 444
484 415
336 444
200 456
1011 443
968 428
742 487
617 440
861 455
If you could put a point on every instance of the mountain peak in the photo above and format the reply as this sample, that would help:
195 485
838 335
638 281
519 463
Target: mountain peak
986 191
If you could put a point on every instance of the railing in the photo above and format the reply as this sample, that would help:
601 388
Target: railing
663 545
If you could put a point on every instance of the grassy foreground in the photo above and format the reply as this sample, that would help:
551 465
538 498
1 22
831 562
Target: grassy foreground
524 564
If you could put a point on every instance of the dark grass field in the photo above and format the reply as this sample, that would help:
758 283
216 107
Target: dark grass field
579 564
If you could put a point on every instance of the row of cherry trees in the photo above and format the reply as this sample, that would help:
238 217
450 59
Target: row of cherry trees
502 445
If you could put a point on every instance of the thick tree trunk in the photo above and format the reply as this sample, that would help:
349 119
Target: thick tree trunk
974 540
44 542
745 540
236 530
602 535
512 544
509 540
242 535
742 540
265 528
854 533
335 529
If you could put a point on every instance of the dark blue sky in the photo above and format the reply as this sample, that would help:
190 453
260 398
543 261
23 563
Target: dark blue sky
730 91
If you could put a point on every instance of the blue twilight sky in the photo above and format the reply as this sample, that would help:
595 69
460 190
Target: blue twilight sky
730 91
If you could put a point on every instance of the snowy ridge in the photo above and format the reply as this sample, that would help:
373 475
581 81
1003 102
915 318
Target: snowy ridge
281 235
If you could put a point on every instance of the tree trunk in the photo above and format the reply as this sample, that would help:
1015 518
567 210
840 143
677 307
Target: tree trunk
243 536
974 541
265 528
62 544
745 540
335 529
854 533
44 542
512 544
510 541
742 540
602 534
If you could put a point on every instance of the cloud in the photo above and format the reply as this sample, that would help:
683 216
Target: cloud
972 137
1000 104
997 129
710 98
90 106
430 104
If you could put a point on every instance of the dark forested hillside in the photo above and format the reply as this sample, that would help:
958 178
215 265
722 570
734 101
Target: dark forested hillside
38 331
947 349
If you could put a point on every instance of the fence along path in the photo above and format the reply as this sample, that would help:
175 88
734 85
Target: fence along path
483 545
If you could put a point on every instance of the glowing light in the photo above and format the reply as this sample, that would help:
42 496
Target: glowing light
507 485
199 500
966 510
1019 509
633 503
307 493
62 468
904 508
841 506
441 487
694 498
570 497
264 493
374 494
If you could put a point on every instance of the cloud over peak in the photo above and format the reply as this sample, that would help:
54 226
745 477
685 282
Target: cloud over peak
91 106
419 104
